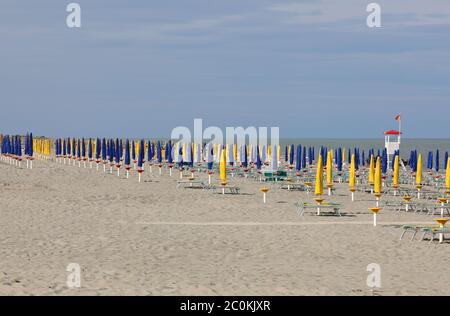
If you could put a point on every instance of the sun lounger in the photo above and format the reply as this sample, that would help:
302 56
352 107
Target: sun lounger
229 189
190 184
426 230
325 207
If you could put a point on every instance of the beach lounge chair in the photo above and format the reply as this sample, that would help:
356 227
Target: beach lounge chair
197 184
324 208
426 230
228 188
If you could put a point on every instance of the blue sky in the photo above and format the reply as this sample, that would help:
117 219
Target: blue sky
141 68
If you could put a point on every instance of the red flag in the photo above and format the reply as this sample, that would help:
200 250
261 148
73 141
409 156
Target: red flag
398 118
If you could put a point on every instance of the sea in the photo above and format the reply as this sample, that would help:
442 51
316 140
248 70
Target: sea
423 146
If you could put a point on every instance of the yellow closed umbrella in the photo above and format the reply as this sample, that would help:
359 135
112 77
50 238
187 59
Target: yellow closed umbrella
344 155
372 170
377 180
329 171
278 152
223 166
319 177
352 177
396 176
419 171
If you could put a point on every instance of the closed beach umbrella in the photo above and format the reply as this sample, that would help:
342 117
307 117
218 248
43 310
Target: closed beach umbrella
158 152
133 151
258 160
223 166
430 161
396 176
339 159
437 161
372 170
352 174
169 153
447 175
319 177
377 183
69 150
127 154
304 157
117 153
83 148
329 170
98 149
209 156
286 154
419 170
245 160
298 158
104 149
384 161
90 149
291 155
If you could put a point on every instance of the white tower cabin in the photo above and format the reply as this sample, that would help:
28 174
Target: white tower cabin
392 140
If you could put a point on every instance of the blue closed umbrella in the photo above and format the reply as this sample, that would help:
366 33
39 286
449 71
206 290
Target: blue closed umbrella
90 149
127 153
339 159
286 158
258 159
430 161
158 152
245 162
298 158
437 161
104 152
291 155
133 151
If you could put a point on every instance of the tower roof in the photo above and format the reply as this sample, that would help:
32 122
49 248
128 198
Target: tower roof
393 132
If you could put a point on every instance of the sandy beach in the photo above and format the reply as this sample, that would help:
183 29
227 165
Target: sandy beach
152 238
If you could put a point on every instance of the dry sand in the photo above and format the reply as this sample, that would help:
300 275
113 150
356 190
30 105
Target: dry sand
151 238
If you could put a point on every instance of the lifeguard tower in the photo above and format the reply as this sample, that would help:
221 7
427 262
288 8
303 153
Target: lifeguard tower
392 140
